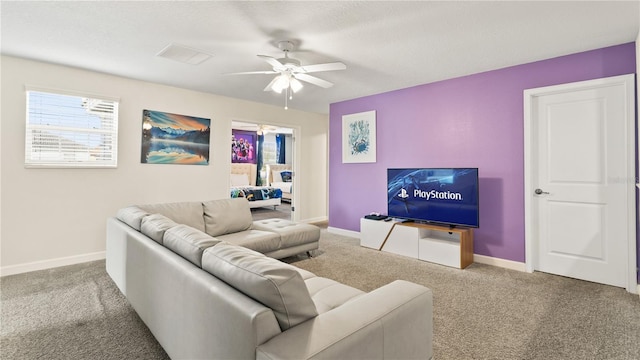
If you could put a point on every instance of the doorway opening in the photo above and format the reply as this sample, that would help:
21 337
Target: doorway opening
265 153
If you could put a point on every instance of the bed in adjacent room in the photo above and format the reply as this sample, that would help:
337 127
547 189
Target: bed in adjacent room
243 184
279 176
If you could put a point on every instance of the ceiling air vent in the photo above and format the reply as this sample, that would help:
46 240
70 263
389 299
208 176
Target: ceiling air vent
183 54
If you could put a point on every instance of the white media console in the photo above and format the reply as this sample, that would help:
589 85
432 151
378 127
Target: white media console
438 244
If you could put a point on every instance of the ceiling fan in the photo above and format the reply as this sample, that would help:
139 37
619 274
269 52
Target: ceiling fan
290 72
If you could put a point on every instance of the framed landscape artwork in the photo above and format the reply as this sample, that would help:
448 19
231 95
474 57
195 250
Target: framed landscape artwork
174 139
359 137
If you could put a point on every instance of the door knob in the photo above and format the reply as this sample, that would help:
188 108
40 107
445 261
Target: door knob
540 192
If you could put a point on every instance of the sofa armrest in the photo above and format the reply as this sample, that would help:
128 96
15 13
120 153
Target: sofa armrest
393 321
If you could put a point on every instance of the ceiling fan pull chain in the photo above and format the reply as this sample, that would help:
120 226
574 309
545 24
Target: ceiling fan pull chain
286 107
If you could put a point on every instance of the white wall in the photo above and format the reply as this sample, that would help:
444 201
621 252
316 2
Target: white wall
55 217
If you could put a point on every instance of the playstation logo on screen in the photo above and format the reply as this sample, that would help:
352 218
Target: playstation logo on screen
403 194
432 194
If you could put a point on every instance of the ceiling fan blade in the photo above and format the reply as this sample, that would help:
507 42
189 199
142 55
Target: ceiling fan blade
270 86
253 72
313 80
324 67
272 61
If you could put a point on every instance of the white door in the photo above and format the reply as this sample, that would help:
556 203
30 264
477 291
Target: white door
579 190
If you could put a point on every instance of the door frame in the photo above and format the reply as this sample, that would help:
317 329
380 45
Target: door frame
530 171
295 167
296 130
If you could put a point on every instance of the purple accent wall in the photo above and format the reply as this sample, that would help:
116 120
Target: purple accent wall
471 121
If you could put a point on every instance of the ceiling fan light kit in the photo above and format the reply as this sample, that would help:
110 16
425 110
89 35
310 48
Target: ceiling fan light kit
282 82
291 73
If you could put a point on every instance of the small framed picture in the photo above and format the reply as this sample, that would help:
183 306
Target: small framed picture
359 137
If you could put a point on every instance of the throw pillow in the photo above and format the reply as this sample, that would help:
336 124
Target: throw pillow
275 176
286 176
226 216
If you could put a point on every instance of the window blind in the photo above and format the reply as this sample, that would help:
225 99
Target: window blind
70 131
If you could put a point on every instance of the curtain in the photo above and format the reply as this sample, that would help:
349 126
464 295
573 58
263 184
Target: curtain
280 148
259 158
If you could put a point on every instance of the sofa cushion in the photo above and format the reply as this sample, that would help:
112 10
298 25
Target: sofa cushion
260 241
291 233
188 242
226 216
328 294
132 216
154 226
273 283
188 213
305 275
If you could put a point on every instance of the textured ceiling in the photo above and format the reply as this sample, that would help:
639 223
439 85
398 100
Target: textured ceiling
386 45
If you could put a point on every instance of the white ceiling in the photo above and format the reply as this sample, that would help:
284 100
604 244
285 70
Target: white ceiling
386 45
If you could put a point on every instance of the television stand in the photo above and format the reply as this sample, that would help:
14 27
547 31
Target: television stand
441 244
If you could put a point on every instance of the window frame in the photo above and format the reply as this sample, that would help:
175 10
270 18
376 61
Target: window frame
67 164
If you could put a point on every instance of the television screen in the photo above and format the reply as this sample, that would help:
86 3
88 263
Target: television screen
444 195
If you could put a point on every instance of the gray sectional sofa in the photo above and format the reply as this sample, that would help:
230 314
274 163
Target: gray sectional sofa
204 279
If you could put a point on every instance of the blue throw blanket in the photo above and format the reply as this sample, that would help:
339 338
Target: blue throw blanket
256 193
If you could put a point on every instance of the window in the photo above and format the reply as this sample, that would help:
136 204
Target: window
269 153
65 130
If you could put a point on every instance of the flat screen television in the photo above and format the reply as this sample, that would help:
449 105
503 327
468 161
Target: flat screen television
447 196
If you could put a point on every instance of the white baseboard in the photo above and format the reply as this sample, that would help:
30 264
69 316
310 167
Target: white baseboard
507 264
343 232
481 259
52 263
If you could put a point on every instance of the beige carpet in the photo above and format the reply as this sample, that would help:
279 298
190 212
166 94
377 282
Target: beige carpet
282 211
72 312
482 312
486 312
